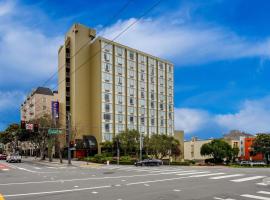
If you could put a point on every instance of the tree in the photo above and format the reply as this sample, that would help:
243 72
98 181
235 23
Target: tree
129 141
218 149
161 146
261 144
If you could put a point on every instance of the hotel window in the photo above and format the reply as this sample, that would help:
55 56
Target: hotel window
120 99
142 85
120 108
107 107
142 59
119 61
161 106
131 110
152 80
169 68
131 119
152 105
44 100
142 95
120 70
131 55
107 57
152 122
131 73
107 117
170 115
143 77
142 120
107 77
120 118
142 103
107 47
161 66
107 127
107 67
161 122
44 107
119 51
152 96
131 101
131 83
131 92
120 80
152 71
107 97
131 65
142 111
107 87
119 89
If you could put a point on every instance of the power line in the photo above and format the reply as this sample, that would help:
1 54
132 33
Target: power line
84 45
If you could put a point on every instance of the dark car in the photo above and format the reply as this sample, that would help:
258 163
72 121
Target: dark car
149 162
3 156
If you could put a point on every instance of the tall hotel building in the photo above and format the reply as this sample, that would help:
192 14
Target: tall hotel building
108 88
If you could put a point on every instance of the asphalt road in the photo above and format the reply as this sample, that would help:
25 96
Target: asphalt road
32 181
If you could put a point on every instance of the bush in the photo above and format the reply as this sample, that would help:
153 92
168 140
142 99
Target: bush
185 163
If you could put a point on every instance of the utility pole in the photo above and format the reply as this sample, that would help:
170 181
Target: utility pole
141 146
118 151
68 138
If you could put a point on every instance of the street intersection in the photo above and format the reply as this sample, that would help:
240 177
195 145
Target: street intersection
34 180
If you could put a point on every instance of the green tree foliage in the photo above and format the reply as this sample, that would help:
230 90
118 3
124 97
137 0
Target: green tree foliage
129 142
9 134
218 149
262 145
161 146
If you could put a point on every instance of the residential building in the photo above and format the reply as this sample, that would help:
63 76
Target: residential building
192 149
106 88
246 150
38 103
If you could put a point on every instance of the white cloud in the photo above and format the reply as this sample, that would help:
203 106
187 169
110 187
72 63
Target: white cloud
27 54
253 117
190 120
186 43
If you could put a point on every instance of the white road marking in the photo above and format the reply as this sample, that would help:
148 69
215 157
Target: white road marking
255 197
5 169
247 179
57 191
226 176
155 181
264 184
177 190
189 173
147 185
263 192
203 175
94 192
83 179
118 185
37 167
76 186
218 198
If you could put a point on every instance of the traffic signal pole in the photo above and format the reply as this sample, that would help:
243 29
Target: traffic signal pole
68 139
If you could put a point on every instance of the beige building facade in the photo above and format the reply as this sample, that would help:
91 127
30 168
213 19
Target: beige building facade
192 149
38 104
108 88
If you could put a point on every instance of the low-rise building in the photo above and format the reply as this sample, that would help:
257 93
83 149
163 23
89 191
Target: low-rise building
38 103
246 150
192 149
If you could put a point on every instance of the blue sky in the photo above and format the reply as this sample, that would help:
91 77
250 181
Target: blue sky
220 49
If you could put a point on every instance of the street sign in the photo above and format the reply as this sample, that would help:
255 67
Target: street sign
55 109
29 126
54 131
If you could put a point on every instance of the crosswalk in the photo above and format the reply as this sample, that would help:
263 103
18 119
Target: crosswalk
194 173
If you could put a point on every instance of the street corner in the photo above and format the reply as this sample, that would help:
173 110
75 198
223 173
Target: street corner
1 197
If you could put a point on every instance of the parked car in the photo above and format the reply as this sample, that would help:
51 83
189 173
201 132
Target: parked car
258 163
3 156
244 162
16 158
149 162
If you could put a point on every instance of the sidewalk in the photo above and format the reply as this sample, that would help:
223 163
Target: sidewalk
56 162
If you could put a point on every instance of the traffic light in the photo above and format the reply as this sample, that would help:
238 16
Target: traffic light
35 128
23 125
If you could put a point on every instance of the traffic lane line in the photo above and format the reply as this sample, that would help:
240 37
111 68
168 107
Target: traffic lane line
28 170
86 179
56 191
